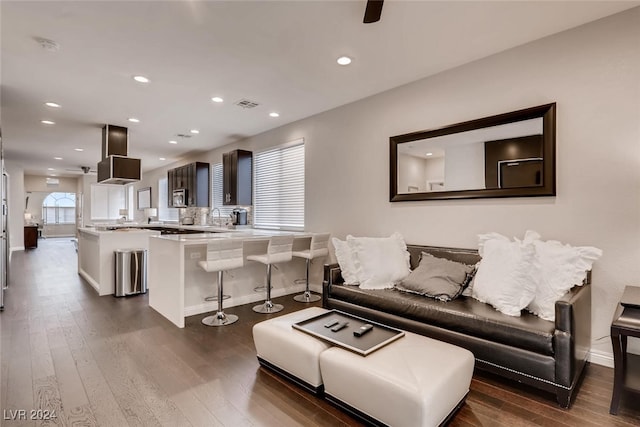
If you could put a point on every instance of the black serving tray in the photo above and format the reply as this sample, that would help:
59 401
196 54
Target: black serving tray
377 338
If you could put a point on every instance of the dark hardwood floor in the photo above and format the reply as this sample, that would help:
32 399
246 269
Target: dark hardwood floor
115 362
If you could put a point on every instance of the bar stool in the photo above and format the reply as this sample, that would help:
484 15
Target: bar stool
279 250
222 255
318 247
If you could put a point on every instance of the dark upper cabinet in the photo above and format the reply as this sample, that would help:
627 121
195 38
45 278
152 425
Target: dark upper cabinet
237 185
194 178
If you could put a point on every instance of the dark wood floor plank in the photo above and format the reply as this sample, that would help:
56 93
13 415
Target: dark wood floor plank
47 399
102 402
170 381
126 394
114 362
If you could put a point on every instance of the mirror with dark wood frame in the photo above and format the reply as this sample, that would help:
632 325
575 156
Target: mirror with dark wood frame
507 155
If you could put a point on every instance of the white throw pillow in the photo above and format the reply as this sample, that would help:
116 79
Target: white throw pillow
505 277
561 268
380 262
344 256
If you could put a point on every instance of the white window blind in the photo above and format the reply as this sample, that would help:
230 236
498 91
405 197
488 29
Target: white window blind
165 213
107 200
216 193
278 183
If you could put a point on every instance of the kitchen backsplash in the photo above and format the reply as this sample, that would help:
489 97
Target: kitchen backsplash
202 216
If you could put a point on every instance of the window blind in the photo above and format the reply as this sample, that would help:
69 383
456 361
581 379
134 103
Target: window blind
278 183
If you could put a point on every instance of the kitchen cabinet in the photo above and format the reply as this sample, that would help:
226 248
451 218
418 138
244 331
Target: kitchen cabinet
237 185
30 236
195 179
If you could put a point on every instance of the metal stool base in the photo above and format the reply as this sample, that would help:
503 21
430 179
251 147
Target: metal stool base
307 297
215 297
268 307
220 319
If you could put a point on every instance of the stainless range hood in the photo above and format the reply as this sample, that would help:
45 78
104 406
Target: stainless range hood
115 167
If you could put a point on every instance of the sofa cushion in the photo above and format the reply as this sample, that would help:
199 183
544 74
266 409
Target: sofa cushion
506 275
437 278
346 261
464 315
560 267
380 262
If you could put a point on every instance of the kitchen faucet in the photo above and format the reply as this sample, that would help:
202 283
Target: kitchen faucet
213 211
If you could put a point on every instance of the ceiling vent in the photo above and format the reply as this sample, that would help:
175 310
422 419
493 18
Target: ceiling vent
183 135
116 167
245 103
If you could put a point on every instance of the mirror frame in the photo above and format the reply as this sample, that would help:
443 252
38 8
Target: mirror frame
548 114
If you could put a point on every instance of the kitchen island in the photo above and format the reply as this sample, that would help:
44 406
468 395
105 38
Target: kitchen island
96 253
178 286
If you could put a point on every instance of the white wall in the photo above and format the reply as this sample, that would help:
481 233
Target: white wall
412 172
39 183
464 167
591 72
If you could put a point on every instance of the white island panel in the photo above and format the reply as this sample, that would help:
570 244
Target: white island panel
96 249
178 286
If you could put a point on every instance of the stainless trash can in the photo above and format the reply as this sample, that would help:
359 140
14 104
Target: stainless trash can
130 272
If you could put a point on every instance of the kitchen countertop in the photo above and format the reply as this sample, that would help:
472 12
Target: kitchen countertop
175 226
245 234
97 232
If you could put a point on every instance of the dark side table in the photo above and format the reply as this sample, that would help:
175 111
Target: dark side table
626 323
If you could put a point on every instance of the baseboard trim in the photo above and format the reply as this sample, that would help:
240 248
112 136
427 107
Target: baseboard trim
16 248
601 358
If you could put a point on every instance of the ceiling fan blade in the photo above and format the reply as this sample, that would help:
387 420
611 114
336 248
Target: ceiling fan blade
373 11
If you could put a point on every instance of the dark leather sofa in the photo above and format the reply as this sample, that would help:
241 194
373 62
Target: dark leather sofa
544 354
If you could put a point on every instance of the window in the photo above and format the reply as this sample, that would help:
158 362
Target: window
278 183
165 213
59 208
107 200
216 193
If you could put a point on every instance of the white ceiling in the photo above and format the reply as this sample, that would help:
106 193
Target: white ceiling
279 54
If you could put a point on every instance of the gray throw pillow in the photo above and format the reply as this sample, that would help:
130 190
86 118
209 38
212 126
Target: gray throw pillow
438 278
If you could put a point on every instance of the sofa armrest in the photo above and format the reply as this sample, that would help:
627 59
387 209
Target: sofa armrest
574 309
572 338
332 276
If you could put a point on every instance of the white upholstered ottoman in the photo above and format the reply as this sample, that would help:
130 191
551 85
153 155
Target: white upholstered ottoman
414 381
289 352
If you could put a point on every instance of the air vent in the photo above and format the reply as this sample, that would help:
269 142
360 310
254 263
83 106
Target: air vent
245 103
183 135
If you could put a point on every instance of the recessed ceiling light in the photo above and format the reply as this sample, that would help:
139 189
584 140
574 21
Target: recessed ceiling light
57 158
79 149
217 99
429 154
133 120
53 174
47 122
162 158
173 142
194 131
50 169
274 114
344 60
52 104
141 79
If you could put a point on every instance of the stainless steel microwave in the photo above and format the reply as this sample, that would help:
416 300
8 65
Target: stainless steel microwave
180 198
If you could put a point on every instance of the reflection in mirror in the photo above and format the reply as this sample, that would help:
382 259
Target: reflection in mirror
500 156
504 156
